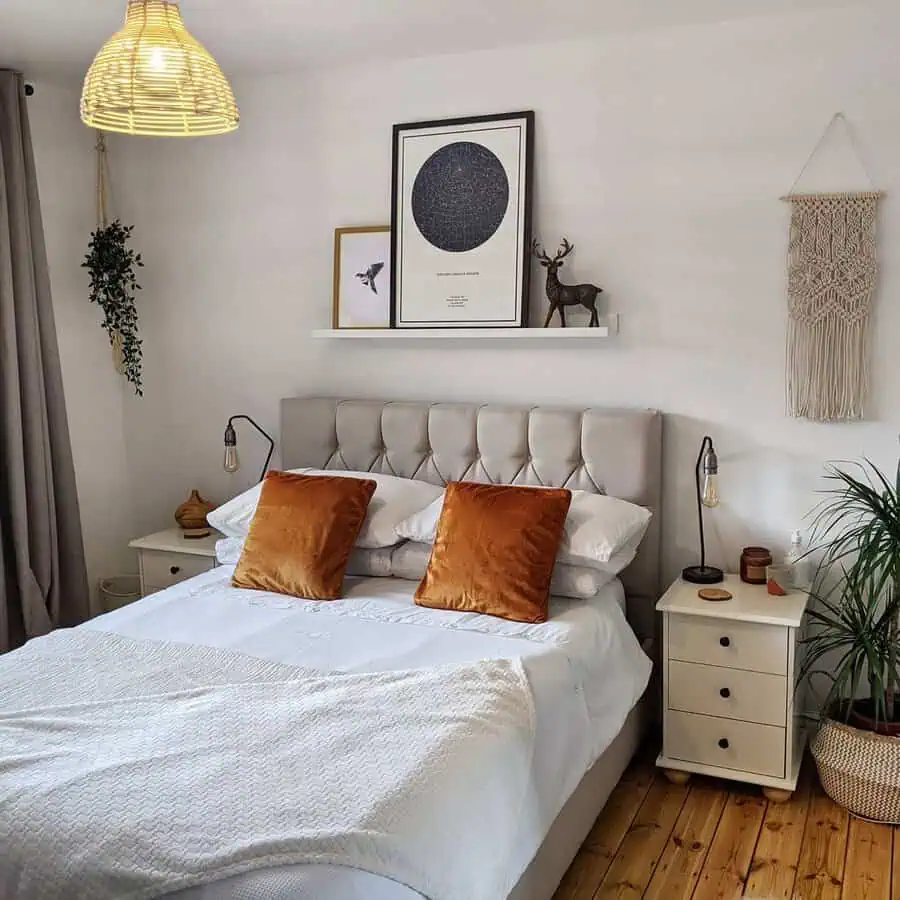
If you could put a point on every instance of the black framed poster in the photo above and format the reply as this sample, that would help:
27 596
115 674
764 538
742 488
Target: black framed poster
461 222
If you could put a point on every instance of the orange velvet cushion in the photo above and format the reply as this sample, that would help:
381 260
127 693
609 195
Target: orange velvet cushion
495 550
302 535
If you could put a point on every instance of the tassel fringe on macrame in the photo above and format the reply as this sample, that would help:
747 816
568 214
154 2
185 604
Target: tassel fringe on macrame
832 277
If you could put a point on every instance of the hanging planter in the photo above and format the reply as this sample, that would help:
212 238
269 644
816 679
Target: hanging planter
112 265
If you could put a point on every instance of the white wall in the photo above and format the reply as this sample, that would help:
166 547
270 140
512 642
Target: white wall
65 164
661 156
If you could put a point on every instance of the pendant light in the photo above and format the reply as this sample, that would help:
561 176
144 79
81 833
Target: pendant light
154 78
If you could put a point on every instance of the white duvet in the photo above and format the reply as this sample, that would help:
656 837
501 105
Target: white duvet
583 672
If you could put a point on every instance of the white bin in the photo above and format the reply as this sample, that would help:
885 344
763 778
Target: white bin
119 591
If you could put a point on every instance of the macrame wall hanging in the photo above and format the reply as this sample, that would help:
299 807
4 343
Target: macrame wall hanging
832 277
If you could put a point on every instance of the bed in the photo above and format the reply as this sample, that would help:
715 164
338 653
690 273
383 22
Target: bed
585 666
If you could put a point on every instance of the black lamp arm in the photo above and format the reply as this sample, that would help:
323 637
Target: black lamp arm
706 445
230 436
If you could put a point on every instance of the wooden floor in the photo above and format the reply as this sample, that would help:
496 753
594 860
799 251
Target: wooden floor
717 839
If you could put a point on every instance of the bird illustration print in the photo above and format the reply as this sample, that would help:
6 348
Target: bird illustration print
368 277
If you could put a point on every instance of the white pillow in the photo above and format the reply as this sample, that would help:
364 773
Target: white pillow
421 527
229 550
363 563
395 499
578 582
620 561
410 561
598 528
234 517
370 563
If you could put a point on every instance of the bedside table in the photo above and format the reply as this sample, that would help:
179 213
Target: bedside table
729 675
168 558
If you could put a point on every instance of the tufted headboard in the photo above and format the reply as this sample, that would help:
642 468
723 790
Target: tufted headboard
612 451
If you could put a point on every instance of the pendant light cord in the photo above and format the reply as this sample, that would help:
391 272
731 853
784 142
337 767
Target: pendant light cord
102 180
103 185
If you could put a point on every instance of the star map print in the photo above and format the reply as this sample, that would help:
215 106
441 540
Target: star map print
460 197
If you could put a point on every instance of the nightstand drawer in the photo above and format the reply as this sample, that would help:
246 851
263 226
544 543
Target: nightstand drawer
735 645
161 570
728 693
757 749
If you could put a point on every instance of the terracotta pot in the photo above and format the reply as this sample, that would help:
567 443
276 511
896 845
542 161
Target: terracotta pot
191 515
860 718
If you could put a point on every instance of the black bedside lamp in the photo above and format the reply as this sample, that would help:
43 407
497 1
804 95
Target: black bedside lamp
708 465
232 461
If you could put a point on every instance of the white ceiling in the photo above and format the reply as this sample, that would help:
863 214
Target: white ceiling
257 36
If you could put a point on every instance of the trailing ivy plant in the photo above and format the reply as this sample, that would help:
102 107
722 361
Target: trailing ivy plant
112 265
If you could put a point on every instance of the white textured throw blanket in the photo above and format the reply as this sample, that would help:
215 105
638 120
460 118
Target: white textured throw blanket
131 769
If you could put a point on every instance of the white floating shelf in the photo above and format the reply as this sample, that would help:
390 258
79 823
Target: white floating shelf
609 327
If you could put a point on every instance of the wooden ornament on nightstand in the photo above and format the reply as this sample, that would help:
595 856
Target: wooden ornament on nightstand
191 517
714 595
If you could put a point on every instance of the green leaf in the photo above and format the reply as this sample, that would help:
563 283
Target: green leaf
856 535
111 263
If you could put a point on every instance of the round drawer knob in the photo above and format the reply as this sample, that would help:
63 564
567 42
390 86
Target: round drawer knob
725 693
724 743
725 641
175 570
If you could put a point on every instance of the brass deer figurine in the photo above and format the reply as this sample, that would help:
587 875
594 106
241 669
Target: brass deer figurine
562 295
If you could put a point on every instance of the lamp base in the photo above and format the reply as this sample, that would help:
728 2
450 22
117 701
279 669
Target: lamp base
703 575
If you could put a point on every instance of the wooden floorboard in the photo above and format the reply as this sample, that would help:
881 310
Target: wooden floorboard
583 878
895 883
723 840
599 850
867 874
620 810
774 868
682 860
820 871
727 865
633 865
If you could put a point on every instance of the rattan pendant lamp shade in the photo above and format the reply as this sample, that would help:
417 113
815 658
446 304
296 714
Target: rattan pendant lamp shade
154 78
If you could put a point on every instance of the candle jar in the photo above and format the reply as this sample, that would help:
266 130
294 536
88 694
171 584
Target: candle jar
754 561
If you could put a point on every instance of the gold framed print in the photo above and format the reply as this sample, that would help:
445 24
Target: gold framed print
362 277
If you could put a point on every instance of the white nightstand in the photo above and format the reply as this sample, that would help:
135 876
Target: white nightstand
168 557
729 675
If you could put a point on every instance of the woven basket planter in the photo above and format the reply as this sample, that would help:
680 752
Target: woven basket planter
860 770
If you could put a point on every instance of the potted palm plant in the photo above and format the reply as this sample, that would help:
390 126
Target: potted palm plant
854 641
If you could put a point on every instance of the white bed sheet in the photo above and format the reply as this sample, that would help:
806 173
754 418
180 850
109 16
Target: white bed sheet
585 667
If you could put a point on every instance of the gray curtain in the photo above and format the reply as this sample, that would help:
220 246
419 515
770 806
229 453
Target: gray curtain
43 583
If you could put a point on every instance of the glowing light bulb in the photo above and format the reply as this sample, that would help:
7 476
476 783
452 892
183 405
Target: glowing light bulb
710 495
232 461
711 491
158 60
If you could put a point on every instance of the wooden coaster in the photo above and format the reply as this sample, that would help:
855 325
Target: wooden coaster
714 595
